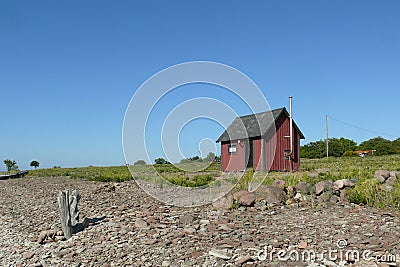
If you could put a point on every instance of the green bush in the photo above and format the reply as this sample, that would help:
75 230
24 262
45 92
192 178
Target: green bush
349 154
140 162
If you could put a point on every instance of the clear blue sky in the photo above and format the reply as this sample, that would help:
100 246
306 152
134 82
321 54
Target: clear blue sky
68 69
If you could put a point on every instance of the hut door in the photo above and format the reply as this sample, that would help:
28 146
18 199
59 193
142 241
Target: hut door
250 154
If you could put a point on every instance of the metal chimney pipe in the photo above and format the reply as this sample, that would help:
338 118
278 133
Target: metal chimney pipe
291 125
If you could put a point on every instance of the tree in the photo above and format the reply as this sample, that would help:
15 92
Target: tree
313 150
396 145
140 162
381 145
349 154
210 156
195 158
347 144
160 161
11 165
337 147
191 159
34 163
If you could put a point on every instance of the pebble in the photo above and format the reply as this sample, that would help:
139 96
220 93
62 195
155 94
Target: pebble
244 259
27 255
219 254
132 229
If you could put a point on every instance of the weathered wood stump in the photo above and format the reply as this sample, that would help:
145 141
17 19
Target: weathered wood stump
69 213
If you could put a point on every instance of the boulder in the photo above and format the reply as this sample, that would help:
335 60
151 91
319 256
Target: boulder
304 188
344 195
348 183
244 198
323 186
337 185
382 173
272 194
380 179
279 184
223 203
391 181
325 197
387 188
340 184
334 199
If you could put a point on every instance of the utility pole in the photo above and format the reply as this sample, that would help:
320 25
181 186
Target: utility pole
327 138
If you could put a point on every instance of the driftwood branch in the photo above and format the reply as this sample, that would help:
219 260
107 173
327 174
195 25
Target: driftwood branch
69 213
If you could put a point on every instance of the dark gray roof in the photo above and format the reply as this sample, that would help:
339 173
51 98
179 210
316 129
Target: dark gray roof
253 125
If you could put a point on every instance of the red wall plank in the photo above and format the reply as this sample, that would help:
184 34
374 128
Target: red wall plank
233 162
257 157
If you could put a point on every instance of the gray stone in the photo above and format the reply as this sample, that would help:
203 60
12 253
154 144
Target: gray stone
323 186
334 199
186 219
166 264
223 203
189 230
391 181
387 188
329 263
304 188
340 184
240 261
244 198
272 195
280 184
27 255
380 179
344 195
382 173
325 197
139 223
204 222
348 183
219 254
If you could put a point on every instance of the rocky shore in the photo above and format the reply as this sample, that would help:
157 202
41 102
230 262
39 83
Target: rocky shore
130 228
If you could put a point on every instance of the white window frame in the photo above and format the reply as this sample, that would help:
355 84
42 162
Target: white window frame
232 148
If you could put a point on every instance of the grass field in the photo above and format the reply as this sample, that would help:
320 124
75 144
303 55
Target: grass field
366 191
122 173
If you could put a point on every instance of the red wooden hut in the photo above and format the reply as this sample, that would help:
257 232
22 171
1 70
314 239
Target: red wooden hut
261 141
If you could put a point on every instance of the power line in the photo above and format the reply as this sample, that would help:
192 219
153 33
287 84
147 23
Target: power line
360 128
